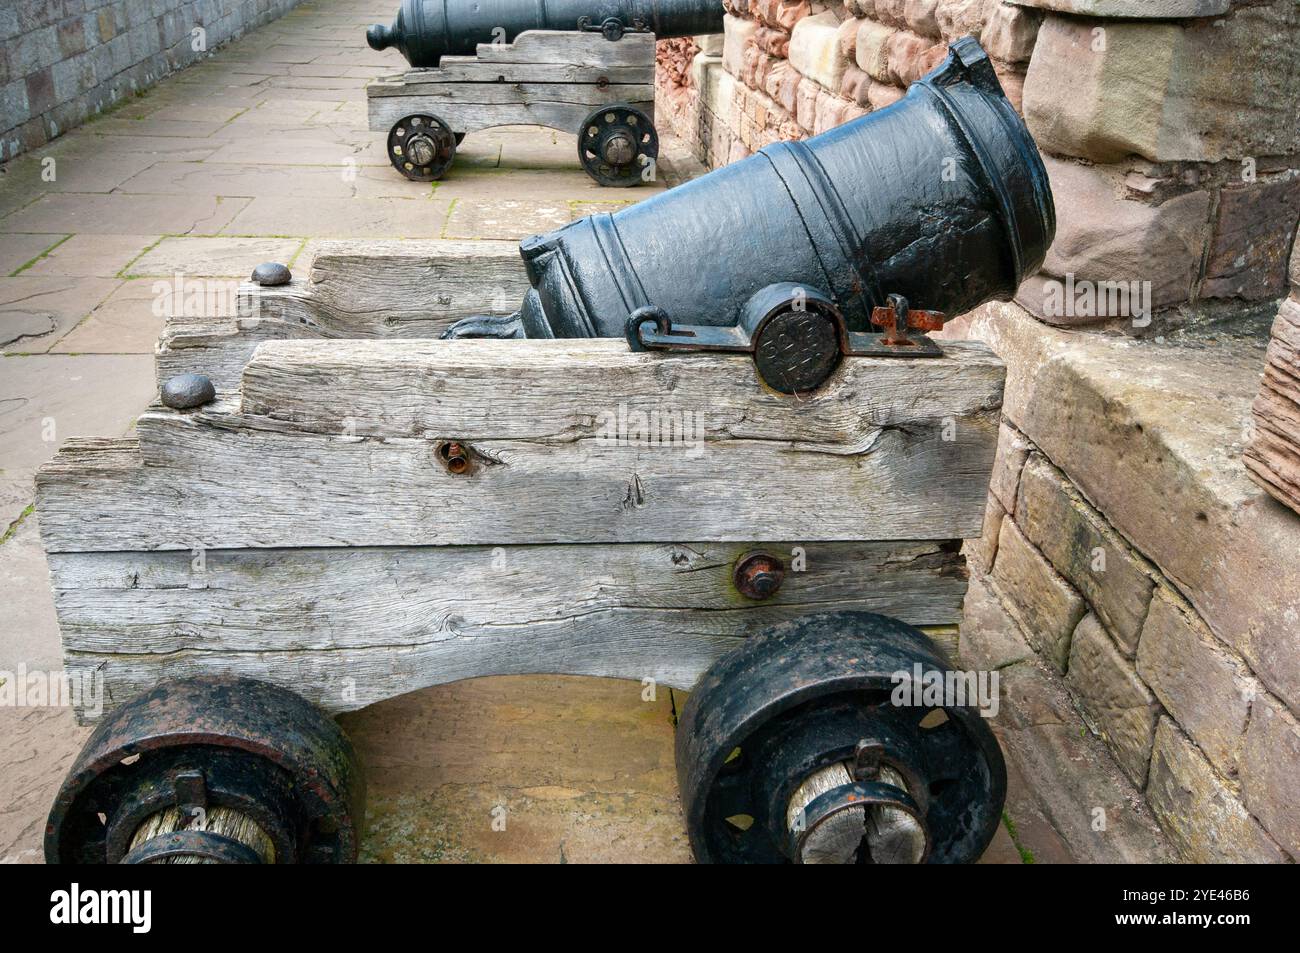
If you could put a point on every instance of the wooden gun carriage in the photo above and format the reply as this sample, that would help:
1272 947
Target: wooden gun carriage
575 82
364 510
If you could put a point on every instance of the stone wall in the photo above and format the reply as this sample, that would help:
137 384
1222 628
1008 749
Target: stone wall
62 61
1124 536
1169 130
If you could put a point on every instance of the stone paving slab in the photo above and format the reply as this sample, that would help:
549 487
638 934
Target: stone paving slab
20 250
105 214
47 398
92 256
36 310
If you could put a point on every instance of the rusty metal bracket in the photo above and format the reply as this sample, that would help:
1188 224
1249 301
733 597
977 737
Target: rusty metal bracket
612 28
797 335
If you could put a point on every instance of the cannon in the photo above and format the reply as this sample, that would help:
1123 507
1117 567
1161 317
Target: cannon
476 65
857 241
514 507
427 30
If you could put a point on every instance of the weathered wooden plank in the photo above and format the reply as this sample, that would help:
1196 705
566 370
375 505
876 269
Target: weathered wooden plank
553 112
324 620
314 599
887 462
392 289
515 93
573 389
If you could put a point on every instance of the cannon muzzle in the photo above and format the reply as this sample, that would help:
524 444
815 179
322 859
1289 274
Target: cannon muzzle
898 220
427 30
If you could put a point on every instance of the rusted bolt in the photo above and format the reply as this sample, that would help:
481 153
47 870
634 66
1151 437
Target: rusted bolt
758 575
454 456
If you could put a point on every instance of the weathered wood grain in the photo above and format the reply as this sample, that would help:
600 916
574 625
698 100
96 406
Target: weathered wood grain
397 289
323 620
545 78
887 450
567 389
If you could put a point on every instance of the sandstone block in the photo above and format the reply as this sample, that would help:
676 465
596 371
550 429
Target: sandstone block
1106 90
958 18
907 53
735 37
1010 33
1086 550
1114 246
815 50
1270 765
1252 240
922 18
1152 437
872 49
892 12
805 112
846 36
1152 9
1013 451
1273 454
1206 688
1048 608
984 550
710 44
1293 272
1199 810
1119 706
855 86
881 95
1012 78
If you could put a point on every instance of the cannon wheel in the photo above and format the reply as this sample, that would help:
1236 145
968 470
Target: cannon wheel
422 147
616 143
790 749
211 770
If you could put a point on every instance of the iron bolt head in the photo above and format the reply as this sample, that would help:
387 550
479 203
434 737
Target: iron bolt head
187 391
272 274
758 575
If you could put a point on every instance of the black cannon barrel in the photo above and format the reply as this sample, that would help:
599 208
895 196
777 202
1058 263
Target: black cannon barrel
941 198
427 30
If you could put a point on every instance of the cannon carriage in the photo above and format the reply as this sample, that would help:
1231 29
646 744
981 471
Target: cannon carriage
578 66
369 501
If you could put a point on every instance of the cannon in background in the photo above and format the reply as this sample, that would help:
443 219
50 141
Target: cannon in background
427 30
840 244
507 62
